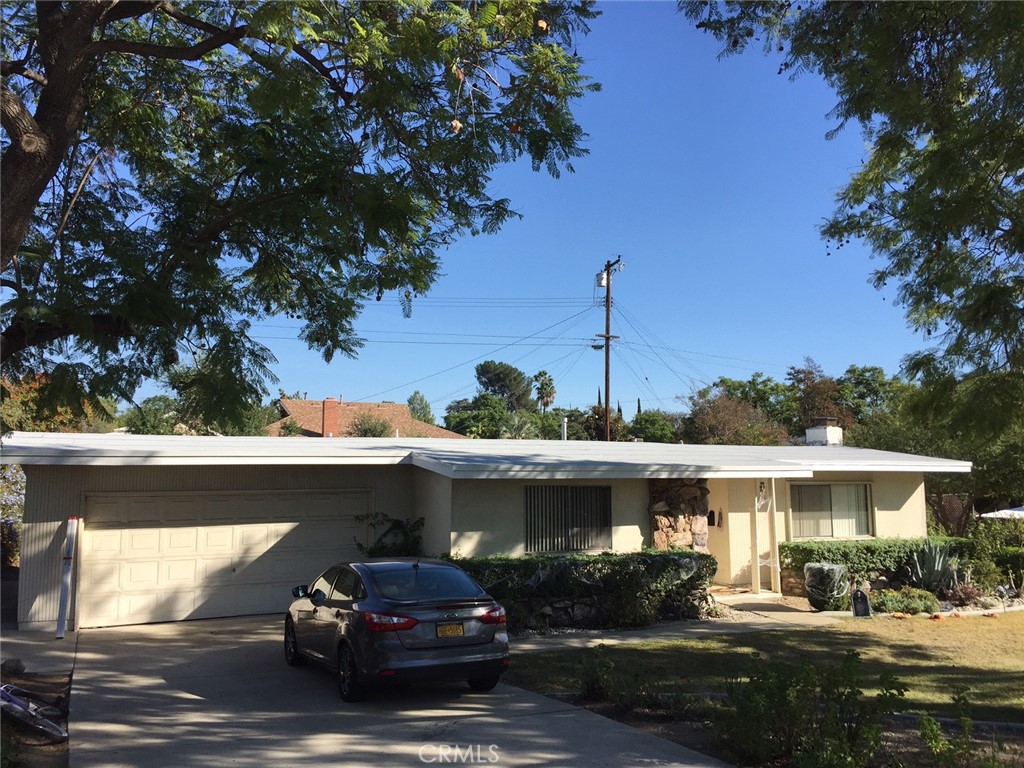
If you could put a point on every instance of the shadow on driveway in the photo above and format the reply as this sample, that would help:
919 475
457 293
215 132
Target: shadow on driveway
217 692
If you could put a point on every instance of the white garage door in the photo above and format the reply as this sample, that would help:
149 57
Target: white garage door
189 556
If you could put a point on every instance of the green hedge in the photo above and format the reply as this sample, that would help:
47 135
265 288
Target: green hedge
1011 561
612 590
864 558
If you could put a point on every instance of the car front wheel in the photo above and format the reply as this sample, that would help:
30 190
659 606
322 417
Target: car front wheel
348 678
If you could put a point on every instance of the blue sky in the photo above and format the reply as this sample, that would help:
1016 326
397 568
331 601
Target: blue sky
710 178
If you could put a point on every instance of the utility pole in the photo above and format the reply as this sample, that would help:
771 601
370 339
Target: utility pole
607 336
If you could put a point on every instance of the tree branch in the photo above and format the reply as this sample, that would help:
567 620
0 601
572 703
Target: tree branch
8 68
18 122
186 53
18 337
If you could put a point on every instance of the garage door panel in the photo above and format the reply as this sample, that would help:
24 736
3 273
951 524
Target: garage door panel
179 541
101 544
140 575
148 510
141 543
216 539
184 573
179 556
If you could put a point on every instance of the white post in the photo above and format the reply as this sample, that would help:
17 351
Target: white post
65 585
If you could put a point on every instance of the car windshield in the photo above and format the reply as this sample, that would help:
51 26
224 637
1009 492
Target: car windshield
425 584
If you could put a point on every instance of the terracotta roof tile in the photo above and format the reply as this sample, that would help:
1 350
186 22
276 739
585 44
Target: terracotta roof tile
308 414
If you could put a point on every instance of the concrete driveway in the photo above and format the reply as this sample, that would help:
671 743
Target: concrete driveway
215 693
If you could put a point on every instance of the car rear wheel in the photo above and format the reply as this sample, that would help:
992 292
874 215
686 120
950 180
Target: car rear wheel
348 678
486 683
291 645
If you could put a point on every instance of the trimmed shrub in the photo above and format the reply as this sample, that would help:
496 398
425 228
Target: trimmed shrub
906 600
601 591
865 559
1011 561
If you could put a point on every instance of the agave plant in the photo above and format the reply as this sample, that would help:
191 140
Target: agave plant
932 567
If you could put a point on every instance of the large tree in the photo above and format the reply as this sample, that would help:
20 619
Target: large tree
507 382
938 90
172 173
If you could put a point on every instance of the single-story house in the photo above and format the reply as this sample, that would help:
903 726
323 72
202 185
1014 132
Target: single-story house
177 527
338 418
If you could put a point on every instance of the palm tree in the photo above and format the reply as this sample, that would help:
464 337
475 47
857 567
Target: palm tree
545 389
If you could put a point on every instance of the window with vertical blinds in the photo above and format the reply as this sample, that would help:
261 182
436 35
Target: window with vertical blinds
837 510
568 518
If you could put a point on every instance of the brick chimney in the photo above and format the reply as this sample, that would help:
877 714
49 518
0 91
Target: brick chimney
330 421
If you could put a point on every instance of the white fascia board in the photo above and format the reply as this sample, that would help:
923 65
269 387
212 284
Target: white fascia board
934 466
482 471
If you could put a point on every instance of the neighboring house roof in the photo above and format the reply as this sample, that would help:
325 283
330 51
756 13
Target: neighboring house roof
471 459
309 415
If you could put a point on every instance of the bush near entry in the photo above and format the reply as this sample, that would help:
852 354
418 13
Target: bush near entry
626 590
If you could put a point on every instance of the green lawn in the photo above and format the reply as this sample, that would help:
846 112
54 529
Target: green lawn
932 658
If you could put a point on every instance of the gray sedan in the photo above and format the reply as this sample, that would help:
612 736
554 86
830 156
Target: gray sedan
399 619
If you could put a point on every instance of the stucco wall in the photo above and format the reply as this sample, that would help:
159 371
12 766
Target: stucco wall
897 498
488 515
434 505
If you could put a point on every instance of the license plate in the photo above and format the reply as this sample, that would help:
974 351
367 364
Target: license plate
450 630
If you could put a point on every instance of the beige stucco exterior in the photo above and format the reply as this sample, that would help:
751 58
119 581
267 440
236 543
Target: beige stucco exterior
898 510
487 515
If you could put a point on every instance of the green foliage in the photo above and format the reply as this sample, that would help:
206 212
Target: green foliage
959 751
419 407
220 163
545 389
521 425
290 428
594 674
482 417
992 559
864 559
593 425
508 383
12 512
1011 560
368 425
827 585
393 537
938 199
653 427
906 600
625 590
931 567
806 716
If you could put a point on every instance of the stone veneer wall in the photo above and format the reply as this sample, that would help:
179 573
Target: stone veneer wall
679 514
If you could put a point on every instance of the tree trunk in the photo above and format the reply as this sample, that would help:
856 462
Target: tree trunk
40 143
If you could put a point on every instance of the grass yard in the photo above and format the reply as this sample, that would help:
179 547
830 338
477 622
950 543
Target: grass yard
932 658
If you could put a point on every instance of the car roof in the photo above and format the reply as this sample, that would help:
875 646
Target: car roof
382 564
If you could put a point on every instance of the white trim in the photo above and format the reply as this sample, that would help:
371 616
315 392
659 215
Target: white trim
469 459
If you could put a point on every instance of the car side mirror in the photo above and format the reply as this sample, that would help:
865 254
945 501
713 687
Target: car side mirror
318 597
300 591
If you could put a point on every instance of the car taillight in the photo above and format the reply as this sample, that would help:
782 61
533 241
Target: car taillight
494 616
386 622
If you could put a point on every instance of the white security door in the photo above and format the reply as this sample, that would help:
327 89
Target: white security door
166 557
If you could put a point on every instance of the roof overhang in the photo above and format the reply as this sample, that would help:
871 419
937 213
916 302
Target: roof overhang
467 459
